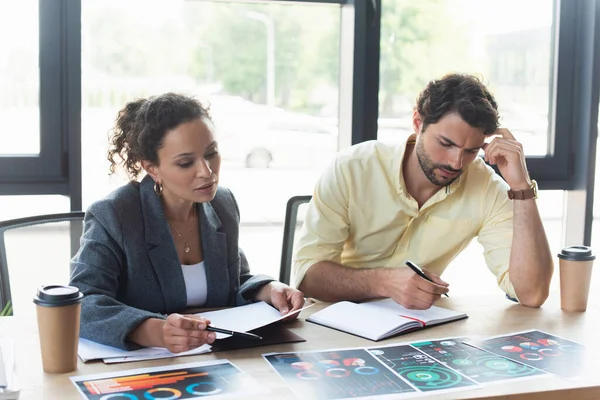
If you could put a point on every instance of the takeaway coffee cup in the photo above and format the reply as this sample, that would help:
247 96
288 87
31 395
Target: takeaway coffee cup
575 263
58 309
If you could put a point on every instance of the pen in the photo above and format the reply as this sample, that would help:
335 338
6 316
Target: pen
233 333
420 272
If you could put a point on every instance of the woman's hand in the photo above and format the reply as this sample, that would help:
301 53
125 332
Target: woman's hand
186 332
283 297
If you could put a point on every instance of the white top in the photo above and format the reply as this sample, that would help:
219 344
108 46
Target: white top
195 284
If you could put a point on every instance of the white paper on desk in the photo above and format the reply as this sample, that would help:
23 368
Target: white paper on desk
432 315
167 354
89 350
245 318
11 391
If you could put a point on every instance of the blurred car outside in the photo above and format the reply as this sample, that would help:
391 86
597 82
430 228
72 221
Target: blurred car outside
259 136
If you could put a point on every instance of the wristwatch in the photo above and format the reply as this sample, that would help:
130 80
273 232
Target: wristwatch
531 193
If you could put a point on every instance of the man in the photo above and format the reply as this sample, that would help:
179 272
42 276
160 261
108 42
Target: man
377 206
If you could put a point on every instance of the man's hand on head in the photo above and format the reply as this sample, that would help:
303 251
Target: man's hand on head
507 153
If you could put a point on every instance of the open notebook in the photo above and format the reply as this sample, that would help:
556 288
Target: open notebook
380 319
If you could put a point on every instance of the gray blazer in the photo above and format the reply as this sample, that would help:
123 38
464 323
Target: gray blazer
128 268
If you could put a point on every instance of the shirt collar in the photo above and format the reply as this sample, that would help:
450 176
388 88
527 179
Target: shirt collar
398 160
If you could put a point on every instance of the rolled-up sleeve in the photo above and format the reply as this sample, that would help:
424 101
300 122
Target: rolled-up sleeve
326 224
496 233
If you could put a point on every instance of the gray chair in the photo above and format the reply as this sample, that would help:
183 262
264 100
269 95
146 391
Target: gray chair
289 232
36 247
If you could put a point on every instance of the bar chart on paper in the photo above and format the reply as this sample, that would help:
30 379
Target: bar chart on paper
181 381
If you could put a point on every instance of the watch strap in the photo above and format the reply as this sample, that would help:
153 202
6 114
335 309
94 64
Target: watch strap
523 194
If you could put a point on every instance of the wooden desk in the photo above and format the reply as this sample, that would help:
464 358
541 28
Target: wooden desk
488 315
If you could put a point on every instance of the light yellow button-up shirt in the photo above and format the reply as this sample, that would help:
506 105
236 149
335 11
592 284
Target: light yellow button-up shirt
362 216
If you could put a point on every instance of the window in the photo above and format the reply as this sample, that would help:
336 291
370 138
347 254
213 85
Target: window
270 73
30 97
518 49
19 79
12 207
511 51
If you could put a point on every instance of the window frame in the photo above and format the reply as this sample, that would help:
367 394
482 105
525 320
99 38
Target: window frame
557 169
575 100
46 172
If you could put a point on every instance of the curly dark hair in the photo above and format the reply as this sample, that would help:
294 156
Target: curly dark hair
141 126
462 94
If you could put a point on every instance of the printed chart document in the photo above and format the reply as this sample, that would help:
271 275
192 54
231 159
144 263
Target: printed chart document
337 374
479 365
218 378
421 371
394 372
538 349
380 319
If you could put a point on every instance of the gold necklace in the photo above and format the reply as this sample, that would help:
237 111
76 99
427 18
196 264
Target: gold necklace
186 246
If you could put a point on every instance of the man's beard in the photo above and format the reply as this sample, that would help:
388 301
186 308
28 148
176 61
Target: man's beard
429 167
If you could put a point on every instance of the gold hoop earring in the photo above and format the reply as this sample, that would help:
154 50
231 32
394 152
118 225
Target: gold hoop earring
158 188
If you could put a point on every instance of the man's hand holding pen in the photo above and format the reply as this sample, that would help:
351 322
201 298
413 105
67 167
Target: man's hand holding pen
410 290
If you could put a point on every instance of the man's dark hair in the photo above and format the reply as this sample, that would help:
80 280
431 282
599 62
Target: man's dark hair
462 94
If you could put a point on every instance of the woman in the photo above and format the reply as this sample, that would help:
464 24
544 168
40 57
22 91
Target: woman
154 248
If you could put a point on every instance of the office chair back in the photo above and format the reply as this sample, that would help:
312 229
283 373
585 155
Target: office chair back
290 228
38 250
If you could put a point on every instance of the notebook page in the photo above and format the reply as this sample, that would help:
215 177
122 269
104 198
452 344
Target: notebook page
353 318
434 315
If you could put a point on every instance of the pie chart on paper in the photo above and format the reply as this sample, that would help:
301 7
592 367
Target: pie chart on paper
512 349
302 365
530 345
358 362
548 342
328 363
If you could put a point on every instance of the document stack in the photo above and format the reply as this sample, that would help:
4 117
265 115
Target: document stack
9 388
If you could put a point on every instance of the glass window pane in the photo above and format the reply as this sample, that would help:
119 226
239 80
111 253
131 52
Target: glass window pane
19 78
37 255
12 207
508 44
269 71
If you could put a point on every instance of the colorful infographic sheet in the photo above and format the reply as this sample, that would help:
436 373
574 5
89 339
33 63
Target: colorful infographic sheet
539 350
477 364
420 370
184 381
336 374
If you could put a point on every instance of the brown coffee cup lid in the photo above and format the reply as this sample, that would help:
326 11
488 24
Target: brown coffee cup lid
57 295
577 253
